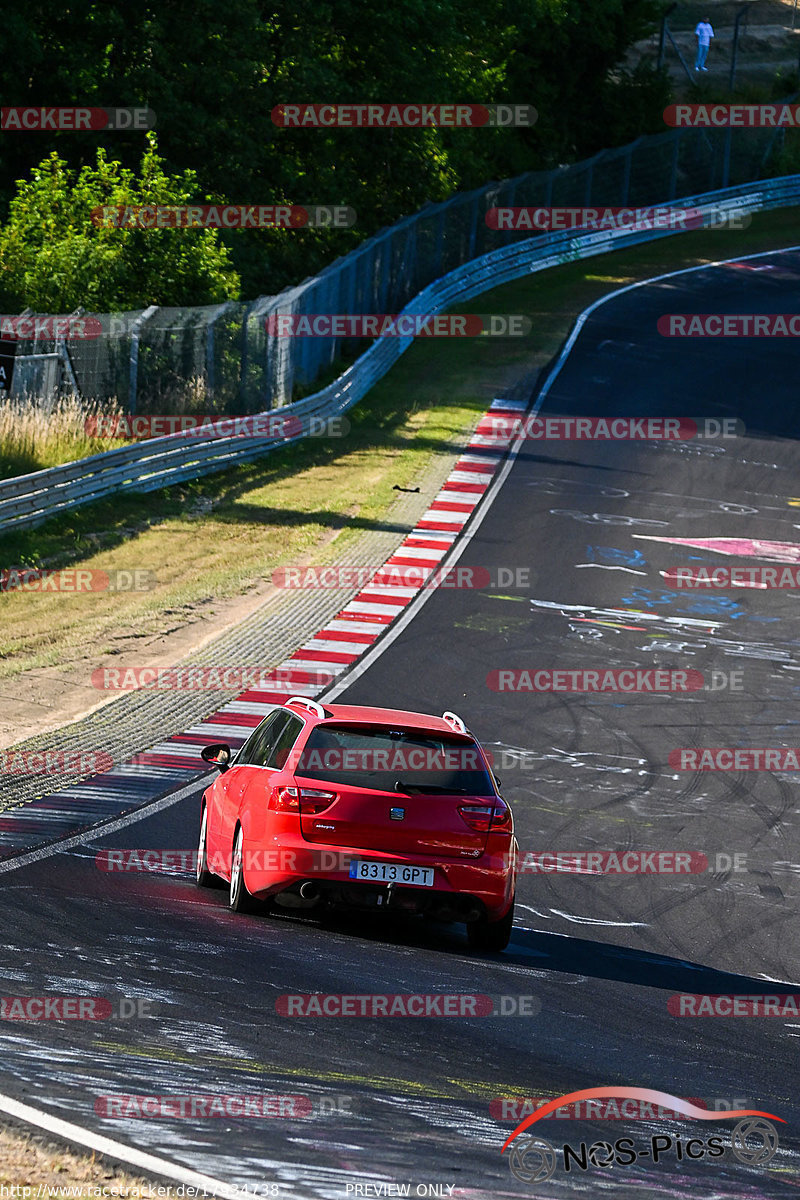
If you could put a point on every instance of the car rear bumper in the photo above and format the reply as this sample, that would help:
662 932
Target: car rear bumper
479 887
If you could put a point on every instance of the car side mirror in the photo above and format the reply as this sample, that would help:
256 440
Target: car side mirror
219 755
498 781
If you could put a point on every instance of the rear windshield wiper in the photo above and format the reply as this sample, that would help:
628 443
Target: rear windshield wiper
426 788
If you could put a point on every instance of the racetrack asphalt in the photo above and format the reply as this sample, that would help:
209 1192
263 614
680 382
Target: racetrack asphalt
407 1100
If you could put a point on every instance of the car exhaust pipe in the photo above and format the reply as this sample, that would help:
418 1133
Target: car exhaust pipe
309 890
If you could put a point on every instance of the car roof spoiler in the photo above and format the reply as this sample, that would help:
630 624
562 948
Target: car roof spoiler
311 705
454 721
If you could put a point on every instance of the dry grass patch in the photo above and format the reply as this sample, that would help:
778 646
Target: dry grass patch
29 1161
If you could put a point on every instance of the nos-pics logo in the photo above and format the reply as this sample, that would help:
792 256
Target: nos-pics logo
533 1159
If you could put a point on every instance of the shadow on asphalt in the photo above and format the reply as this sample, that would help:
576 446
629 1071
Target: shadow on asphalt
601 960
559 952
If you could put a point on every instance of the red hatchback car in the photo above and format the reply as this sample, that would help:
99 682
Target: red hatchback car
366 808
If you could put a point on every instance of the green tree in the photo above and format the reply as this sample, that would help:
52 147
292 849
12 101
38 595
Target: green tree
213 73
54 258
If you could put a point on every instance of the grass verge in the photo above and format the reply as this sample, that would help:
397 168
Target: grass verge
35 436
53 1173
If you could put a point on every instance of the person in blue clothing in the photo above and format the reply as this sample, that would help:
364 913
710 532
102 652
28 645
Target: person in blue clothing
704 33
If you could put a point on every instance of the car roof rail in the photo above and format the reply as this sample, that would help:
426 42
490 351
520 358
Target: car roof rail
311 705
455 721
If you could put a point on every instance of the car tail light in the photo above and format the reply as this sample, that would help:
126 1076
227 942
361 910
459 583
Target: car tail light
306 801
483 817
502 816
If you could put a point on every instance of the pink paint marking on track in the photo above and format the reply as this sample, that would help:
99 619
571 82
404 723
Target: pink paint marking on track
743 547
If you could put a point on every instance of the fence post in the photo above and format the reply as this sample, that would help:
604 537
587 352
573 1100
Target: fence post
473 218
65 360
675 160
211 374
439 243
626 178
134 362
726 158
244 357
663 39
385 275
734 53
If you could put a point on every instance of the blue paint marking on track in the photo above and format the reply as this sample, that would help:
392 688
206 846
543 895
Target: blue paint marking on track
612 554
724 606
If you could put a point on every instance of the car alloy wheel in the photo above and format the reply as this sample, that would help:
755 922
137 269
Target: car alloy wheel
239 898
203 875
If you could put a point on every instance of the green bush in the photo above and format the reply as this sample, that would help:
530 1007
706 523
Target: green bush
54 259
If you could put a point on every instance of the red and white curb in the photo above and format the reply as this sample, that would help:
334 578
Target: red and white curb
330 652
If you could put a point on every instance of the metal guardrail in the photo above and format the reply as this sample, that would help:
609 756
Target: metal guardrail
164 359
159 462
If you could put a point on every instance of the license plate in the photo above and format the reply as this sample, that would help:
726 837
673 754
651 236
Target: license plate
383 872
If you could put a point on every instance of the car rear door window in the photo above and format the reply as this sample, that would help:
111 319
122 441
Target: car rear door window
259 745
282 745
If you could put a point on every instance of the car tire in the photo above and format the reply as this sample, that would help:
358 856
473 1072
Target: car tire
203 876
491 936
239 899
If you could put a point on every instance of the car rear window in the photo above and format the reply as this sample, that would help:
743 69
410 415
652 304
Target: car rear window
394 759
